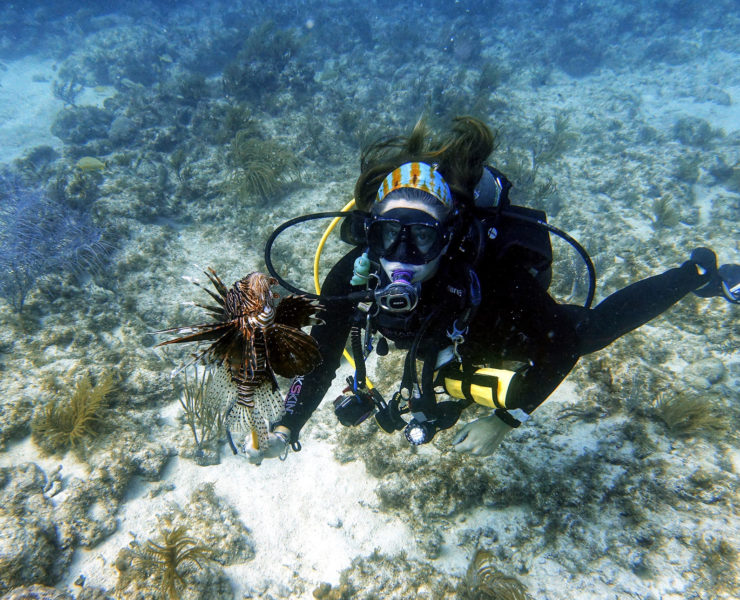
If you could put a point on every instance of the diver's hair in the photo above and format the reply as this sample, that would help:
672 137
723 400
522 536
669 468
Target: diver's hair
460 154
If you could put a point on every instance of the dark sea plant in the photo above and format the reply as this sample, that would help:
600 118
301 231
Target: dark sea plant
483 581
39 237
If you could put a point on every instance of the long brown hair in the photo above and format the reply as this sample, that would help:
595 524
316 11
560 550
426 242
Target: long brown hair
460 154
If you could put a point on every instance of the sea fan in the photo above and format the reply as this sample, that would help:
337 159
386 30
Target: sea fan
39 237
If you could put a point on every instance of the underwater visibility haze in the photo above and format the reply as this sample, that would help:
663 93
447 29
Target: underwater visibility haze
146 144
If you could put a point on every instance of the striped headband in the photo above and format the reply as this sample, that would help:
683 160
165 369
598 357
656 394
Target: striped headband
420 176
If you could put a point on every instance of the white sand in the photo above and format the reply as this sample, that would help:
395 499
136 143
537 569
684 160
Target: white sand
307 515
28 106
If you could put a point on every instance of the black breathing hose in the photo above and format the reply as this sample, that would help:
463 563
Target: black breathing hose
278 230
365 295
573 242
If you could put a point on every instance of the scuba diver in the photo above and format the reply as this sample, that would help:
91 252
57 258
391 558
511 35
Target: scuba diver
450 271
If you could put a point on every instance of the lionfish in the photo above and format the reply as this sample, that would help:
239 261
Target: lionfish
253 339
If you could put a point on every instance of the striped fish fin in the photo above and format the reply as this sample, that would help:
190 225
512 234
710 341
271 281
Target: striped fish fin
269 402
259 425
222 392
290 351
240 419
298 311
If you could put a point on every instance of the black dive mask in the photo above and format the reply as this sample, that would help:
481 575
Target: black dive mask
406 236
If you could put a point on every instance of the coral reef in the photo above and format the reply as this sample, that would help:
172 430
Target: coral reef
32 551
37 592
185 561
394 578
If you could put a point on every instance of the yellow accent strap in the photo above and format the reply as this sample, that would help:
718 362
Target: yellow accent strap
349 206
480 392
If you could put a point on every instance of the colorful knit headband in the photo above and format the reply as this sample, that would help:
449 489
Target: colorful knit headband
420 176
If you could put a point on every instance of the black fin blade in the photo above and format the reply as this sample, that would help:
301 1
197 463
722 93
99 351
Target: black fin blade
290 351
298 311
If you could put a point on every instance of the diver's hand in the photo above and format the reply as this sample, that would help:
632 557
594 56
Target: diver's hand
277 446
482 436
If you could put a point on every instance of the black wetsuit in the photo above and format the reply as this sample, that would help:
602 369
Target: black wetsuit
517 321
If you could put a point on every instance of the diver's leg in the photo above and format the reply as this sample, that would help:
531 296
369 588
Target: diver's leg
633 306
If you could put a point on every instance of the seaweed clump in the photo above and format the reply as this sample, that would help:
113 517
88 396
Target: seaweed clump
483 580
64 424
260 167
164 558
664 214
686 416
266 61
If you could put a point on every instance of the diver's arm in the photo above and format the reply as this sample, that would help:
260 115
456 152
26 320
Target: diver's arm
513 397
307 392
519 321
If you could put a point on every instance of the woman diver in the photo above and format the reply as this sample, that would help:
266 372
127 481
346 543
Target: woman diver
461 283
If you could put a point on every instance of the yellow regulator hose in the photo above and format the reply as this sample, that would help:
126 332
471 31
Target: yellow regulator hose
316 279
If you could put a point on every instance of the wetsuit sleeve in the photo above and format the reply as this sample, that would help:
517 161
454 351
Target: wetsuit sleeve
519 321
307 392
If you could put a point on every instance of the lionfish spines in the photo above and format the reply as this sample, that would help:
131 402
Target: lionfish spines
253 338
251 332
298 311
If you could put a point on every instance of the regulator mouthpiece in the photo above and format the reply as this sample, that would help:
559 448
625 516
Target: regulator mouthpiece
400 295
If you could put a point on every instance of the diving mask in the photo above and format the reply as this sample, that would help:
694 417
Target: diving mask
407 236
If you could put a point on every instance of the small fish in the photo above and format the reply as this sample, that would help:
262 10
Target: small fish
132 85
253 339
90 163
